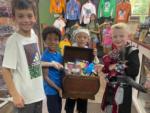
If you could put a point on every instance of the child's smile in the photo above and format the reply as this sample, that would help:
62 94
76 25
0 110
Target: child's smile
52 41
25 20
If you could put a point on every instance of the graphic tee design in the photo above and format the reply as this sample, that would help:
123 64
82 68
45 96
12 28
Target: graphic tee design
121 15
123 11
33 60
107 6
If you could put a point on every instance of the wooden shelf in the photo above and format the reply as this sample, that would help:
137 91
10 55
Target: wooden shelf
147 46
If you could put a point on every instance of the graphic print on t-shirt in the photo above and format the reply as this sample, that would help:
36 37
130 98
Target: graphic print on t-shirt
121 15
88 12
107 6
58 4
72 10
33 59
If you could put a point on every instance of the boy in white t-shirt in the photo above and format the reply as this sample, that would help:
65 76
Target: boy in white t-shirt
21 64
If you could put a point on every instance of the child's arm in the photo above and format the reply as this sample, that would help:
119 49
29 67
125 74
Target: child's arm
96 60
50 82
133 64
17 98
93 31
52 64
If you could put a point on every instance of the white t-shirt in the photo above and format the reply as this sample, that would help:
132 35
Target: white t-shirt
60 24
23 58
86 11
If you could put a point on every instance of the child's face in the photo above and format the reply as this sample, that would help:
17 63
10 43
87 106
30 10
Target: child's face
82 39
52 41
108 25
25 19
92 17
119 37
66 38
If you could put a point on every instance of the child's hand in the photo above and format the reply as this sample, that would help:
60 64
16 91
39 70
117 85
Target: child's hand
98 68
18 101
56 65
60 92
112 67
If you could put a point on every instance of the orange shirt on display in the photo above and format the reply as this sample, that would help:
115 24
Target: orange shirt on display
123 12
57 6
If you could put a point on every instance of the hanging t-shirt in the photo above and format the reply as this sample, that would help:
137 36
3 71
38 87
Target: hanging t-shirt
123 12
72 10
60 24
86 11
107 8
57 6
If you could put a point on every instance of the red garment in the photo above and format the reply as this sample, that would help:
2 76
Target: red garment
105 98
110 91
123 12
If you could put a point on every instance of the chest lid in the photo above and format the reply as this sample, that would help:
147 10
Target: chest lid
71 54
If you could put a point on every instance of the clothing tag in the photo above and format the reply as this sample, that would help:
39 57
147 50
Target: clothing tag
119 95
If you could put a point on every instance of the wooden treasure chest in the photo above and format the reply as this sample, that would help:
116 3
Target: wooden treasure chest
75 83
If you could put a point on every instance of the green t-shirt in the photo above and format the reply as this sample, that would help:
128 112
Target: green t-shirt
107 8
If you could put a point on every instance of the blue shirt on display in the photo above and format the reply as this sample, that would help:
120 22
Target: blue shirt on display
72 10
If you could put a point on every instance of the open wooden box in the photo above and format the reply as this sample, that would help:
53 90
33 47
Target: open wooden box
76 86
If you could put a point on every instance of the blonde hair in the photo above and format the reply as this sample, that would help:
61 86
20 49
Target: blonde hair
120 26
123 27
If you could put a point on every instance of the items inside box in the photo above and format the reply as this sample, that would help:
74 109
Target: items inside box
78 61
80 68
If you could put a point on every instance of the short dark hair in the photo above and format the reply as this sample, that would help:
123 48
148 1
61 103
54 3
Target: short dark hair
67 35
51 30
22 4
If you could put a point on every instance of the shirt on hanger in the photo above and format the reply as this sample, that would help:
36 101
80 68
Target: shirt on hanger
87 9
60 24
107 8
72 10
123 12
57 6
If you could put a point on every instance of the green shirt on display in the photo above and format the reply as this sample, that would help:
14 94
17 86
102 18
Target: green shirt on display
107 8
